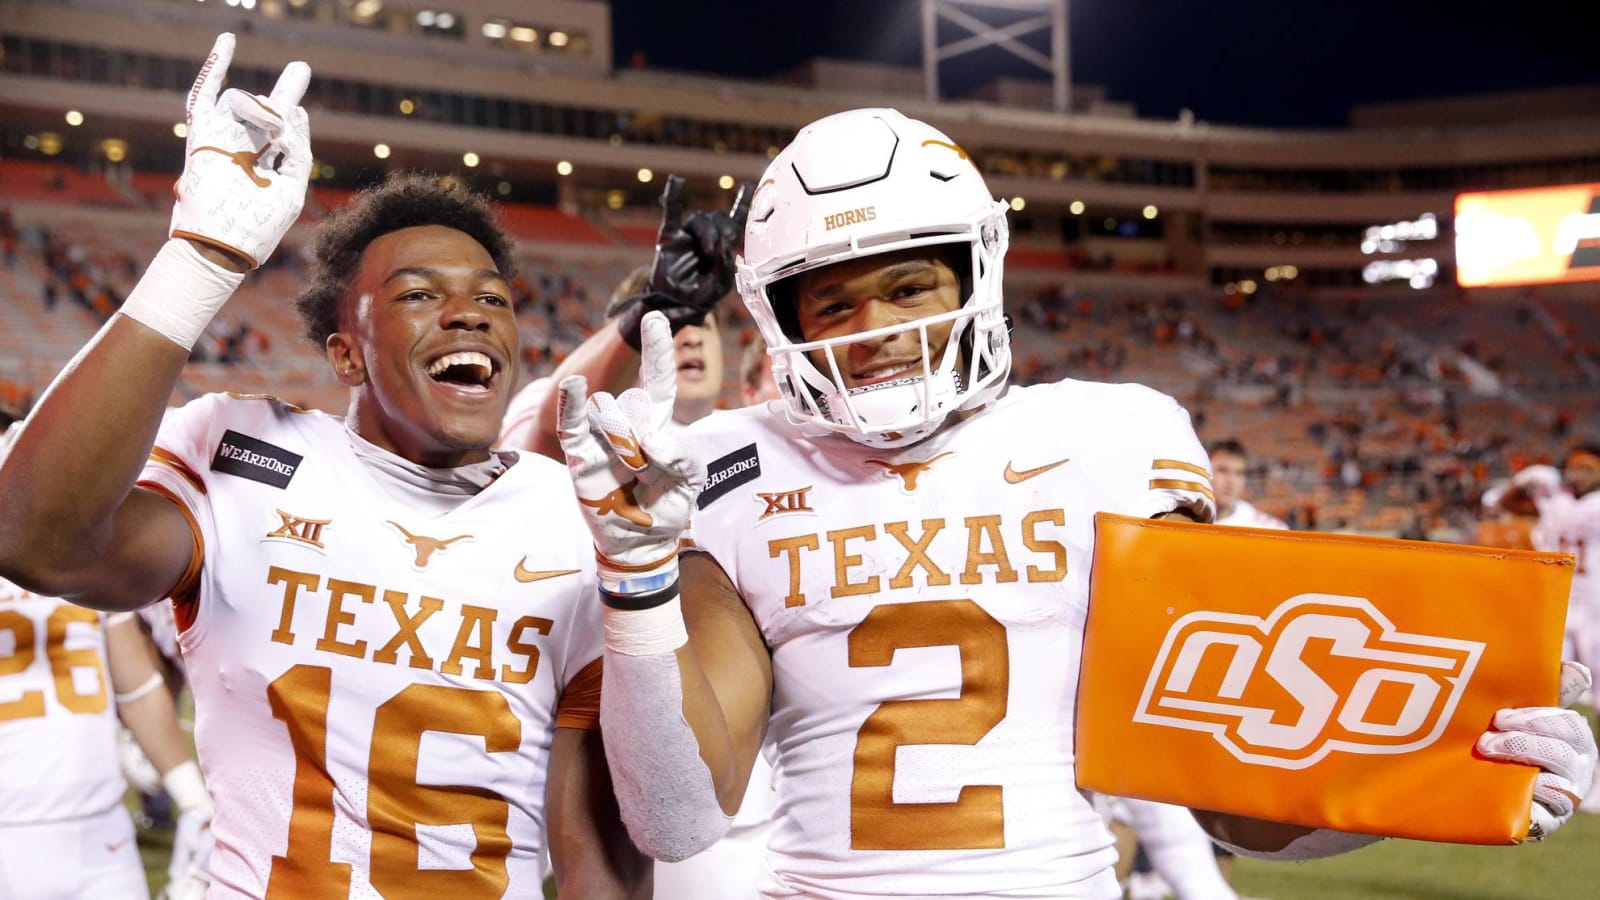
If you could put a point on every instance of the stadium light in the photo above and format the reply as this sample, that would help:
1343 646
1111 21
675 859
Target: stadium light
1076 208
381 151
615 199
645 175
494 30
725 182
1247 286
1018 204
180 130
469 159
115 149
425 18
524 34
563 168
248 4
74 118
408 106
503 188
1150 212
445 20
558 38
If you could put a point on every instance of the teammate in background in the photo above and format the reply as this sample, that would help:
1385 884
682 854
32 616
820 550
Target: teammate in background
756 384
67 676
699 355
1569 522
732 868
1229 466
690 274
389 629
889 574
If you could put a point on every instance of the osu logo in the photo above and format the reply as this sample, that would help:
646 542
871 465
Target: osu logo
1320 673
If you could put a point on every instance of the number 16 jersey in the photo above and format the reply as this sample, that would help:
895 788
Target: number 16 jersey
376 687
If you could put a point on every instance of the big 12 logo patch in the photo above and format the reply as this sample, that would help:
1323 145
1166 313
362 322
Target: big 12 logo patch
1266 689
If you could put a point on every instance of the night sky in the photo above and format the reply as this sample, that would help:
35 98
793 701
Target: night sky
1287 63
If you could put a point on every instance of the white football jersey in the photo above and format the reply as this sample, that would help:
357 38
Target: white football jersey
1247 515
376 688
522 414
1569 524
924 608
58 717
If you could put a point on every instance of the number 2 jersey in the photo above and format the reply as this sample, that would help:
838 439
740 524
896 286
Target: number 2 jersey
924 608
58 724
376 687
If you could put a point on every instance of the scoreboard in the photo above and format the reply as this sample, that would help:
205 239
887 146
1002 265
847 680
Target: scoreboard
1533 236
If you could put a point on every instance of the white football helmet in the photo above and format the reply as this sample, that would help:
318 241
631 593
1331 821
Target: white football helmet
860 183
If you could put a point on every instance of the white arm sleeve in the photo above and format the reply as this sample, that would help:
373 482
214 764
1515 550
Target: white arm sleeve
664 789
1316 845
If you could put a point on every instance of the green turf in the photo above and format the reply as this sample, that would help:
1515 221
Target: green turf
1565 866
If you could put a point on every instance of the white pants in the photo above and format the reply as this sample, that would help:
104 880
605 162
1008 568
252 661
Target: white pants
73 859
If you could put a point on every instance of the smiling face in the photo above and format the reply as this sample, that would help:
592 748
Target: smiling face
426 337
875 292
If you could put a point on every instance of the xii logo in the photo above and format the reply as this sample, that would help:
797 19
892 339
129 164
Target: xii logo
299 530
1320 673
781 502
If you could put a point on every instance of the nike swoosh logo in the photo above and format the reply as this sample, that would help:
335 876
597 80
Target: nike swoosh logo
527 575
1015 477
112 848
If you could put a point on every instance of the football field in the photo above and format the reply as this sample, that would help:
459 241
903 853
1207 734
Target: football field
1567 866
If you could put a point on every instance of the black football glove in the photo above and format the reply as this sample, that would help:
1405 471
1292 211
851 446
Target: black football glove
693 267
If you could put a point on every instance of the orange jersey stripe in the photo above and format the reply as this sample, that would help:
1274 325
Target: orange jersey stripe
1175 484
579 706
171 461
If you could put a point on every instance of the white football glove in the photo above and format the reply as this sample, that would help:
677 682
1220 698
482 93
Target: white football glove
188 875
635 482
1555 739
247 160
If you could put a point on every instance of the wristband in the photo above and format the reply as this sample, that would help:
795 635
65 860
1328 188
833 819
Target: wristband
179 293
646 632
185 786
150 684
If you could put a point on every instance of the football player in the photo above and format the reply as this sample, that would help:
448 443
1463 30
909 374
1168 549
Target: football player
690 274
1569 522
388 628
1229 466
890 571
67 675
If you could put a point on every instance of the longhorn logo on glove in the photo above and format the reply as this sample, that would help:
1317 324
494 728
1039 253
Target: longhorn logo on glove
1320 673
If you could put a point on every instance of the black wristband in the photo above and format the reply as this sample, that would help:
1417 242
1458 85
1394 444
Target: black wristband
637 602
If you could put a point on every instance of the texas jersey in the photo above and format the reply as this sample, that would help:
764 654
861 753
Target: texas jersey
376 688
58 724
1247 515
924 608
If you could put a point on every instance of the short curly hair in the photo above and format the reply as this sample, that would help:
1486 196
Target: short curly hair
404 200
